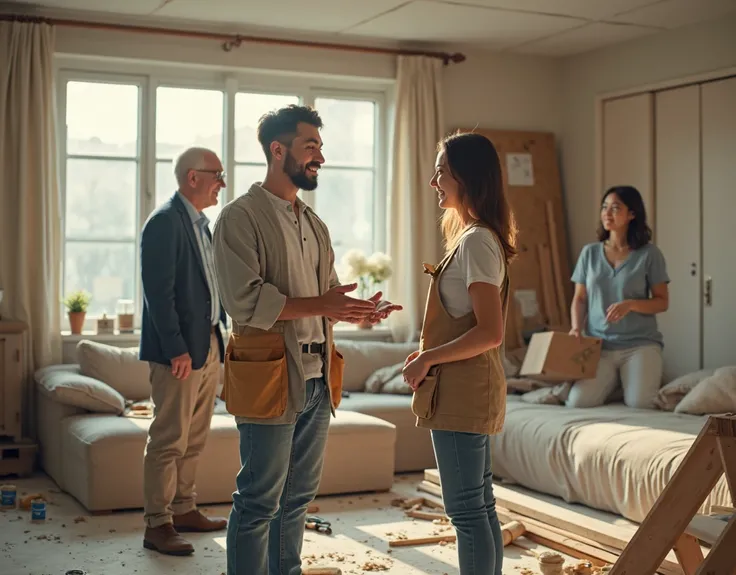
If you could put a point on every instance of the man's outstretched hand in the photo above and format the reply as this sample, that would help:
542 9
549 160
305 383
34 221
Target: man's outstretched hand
340 307
383 308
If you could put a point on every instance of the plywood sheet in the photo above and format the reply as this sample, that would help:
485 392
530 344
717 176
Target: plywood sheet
532 181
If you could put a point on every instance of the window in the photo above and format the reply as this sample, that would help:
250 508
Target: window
122 134
250 161
345 198
186 118
102 166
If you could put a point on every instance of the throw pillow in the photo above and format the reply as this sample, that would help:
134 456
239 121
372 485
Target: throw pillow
78 390
118 367
715 394
552 395
671 394
388 379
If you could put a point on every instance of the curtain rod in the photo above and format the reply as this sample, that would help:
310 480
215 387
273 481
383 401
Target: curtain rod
230 41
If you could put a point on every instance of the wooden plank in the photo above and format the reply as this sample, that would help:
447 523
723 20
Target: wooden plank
431 488
577 522
675 507
557 266
549 291
432 475
688 553
721 559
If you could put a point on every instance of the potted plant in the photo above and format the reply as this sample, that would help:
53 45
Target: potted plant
367 271
76 305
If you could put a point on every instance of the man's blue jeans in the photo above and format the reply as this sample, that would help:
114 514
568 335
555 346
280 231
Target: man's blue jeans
281 466
464 465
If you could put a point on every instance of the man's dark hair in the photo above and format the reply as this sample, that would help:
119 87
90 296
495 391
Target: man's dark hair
281 125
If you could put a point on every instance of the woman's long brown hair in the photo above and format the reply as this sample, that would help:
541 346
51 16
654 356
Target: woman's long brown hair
473 162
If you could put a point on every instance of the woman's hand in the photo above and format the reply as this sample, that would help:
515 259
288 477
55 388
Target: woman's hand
411 357
575 332
415 370
617 311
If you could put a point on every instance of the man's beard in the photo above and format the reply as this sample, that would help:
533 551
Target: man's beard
298 174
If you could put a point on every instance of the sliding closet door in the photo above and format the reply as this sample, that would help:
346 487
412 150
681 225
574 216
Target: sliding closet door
719 222
628 145
677 208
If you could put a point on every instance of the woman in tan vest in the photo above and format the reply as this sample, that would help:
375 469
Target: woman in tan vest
457 374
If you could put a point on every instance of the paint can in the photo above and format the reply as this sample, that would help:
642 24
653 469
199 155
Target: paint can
7 496
38 511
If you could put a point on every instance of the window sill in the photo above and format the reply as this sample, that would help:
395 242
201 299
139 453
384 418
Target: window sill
378 333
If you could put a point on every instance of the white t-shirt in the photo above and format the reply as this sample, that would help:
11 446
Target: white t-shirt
479 258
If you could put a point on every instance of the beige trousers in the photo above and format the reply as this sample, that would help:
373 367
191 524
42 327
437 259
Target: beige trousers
181 422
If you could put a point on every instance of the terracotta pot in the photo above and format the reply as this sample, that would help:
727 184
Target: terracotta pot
76 321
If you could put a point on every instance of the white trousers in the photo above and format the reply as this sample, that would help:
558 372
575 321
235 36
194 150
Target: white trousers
638 370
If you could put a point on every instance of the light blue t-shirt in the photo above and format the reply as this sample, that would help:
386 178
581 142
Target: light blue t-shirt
605 285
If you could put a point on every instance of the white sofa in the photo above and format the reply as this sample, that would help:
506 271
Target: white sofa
612 458
96 454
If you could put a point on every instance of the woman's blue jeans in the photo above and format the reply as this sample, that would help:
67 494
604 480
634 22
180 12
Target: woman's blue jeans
464 463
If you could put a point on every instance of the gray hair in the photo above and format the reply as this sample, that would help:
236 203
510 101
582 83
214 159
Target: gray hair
189 159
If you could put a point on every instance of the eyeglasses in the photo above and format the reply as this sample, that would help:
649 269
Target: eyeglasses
219 175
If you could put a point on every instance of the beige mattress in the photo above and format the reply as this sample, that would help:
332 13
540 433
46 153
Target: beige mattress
612 458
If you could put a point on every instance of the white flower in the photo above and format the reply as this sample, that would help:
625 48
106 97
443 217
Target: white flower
379 267
354 264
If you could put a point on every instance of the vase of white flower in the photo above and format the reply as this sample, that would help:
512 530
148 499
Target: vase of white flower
368 272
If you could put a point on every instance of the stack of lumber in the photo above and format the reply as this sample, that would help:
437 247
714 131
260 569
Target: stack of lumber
570 529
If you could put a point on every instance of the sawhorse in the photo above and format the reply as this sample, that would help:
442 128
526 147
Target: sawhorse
712 453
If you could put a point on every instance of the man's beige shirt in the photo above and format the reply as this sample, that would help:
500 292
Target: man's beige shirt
303 258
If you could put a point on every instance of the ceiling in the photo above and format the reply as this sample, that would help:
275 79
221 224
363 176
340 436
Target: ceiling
543 27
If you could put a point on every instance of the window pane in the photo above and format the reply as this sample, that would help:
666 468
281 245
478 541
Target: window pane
348 132
105 270
344 200
246 176
101 119
248 110
101 198
188 117
166 187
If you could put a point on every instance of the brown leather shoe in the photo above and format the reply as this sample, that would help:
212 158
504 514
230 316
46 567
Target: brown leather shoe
165 539
197 521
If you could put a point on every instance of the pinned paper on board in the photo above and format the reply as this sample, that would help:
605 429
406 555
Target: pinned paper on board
519 169
527 299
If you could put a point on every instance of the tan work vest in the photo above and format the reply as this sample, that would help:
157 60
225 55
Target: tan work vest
464 396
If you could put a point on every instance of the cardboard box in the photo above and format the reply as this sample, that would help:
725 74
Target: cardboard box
556 356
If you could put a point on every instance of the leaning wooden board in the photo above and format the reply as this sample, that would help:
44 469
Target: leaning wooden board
579 522
532 180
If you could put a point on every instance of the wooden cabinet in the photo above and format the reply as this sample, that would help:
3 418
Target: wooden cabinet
690 160
11 378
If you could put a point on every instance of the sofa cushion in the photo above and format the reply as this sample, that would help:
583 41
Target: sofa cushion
672 393
72 388
714 394
414 450
118 367
103 458
388 379
363 357
613 458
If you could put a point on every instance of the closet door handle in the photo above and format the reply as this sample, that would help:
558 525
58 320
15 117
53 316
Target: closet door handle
708 292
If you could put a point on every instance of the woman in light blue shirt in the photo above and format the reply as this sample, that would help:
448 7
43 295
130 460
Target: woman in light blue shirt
621 283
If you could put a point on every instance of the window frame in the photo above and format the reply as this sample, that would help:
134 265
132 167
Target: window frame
149 76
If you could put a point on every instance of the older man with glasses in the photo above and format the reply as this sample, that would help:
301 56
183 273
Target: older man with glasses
181 340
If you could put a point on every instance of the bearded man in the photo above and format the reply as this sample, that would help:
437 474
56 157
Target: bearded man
283 376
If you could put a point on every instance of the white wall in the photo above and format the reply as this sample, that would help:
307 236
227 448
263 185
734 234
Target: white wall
671 55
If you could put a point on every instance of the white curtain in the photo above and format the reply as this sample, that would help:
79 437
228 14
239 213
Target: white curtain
30 217
414 235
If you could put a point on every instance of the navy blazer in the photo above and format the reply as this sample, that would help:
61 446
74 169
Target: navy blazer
176 297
